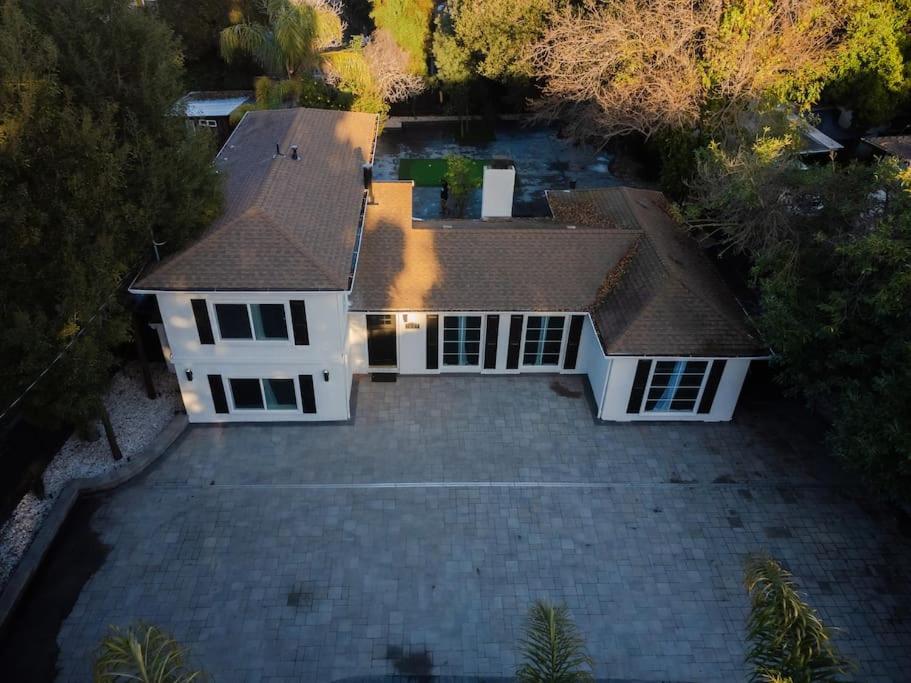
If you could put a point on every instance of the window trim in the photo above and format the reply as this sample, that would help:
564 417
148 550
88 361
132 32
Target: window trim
289 333
262 393
441 331
648 385
558 367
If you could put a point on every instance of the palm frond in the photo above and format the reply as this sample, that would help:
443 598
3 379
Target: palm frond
553 649
788 640
142 653
251 39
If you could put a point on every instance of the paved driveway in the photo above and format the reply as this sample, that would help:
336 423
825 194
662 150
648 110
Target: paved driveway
414 540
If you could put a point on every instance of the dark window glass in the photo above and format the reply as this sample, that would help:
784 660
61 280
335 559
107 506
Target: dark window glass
247 394
233 321
269 321
280 394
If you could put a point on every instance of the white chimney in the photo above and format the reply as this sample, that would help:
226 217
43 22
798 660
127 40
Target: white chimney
497 190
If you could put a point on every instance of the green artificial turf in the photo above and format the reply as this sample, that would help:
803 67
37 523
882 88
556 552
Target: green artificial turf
430 172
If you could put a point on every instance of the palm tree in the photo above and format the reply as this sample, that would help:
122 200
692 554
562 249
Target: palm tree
142 653
789 643
554 651
295 33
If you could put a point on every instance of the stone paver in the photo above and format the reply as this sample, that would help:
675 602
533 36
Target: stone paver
414 540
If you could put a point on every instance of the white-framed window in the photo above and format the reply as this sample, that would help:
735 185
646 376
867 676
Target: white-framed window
263 322
207 123
252 393
675 386
461 340
543 339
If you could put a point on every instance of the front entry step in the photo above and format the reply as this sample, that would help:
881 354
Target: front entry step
383 377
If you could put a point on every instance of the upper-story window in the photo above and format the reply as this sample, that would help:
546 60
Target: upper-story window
252 321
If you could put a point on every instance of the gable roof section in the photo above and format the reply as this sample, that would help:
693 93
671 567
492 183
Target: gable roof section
670 300
647 285
287 225
475 265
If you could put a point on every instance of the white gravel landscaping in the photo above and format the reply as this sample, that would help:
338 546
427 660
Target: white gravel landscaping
136 420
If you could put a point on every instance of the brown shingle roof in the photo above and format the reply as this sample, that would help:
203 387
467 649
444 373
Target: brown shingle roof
649 288
670 301
287 225
498 267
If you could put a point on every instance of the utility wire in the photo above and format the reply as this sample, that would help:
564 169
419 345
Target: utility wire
66 348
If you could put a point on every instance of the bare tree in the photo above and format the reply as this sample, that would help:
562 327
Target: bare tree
646 65
389 66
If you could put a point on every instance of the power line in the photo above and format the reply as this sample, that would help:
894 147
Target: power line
66 348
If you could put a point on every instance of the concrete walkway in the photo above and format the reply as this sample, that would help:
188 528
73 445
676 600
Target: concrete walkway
415 539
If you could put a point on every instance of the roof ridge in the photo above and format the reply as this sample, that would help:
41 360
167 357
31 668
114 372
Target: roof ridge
635 253
671 272
298 246
616 274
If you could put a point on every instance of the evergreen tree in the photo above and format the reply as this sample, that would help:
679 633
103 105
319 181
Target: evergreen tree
832 253
93 167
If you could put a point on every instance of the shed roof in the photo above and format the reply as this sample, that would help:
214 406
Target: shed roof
287 225
213 102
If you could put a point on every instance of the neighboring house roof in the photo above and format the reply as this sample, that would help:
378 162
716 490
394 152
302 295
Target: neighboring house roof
287 225
817 142
897 145
649 288
202 103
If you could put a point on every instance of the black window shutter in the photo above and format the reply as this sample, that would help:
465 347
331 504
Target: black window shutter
572 343
433 342
217 387
299 323
515 342
308 398
711 386
490 342
635 397
203 324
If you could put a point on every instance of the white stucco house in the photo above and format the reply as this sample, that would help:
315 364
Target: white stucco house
309 279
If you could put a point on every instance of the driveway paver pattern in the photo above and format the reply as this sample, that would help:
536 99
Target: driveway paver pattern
413 540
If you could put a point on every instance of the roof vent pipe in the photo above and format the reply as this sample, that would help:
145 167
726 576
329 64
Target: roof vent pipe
294 153
278 151
368 182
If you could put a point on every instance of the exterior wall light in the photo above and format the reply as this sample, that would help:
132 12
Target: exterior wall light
325 375
189 374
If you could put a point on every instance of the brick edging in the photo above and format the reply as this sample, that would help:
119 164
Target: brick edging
25 571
